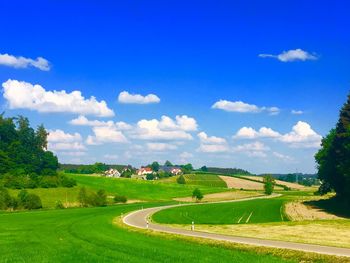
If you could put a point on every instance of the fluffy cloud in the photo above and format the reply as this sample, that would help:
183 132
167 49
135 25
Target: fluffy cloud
239 106
61 136
22 62
213 148
159 147
302 136
165 129
255 149
291 55
283 157
250 133
297 112
105 134
83 121
126 97
24 95
59 140
211 144
204 138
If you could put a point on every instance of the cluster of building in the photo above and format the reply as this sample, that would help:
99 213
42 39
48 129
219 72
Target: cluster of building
143 171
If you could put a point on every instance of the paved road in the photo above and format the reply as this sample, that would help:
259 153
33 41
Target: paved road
140 218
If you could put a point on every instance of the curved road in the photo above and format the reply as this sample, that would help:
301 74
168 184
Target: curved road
140 218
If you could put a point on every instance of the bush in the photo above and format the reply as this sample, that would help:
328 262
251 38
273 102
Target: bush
120 199
33 202
49 182
82 197
197 194
181 180
5 199
101 198
286 188
66 181
149 177
59 205
29 201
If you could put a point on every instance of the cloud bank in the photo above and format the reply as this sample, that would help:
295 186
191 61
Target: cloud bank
22 62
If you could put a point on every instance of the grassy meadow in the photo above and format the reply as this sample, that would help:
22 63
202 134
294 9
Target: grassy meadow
209 180
251 211
89 235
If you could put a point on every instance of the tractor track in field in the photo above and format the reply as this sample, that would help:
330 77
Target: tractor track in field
140 219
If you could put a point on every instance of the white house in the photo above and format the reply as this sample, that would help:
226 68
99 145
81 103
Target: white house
144 171
112 173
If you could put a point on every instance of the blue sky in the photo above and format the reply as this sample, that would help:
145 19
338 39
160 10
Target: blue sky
272 57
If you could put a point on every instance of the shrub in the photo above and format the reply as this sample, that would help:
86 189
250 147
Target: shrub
149 177
181 180
66 181
59 205
120 199
82 197
101 198
49 182
197 194
33 202
5 199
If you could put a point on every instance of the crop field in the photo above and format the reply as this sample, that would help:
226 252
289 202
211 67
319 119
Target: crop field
251 211
89 235
211 180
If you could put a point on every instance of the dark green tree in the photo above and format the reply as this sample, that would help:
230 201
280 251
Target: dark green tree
197 194
168 163
187 168
204 169
333 159
155 166
269 184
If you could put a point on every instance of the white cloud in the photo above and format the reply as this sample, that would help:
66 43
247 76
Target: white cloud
204 138
255 149
126 97
159 147
24 95
66 146
213 148
302 136
250 133
185 155
297 112
291 55
239 106
22 62
165 129
61 136
76 154
83 121
283 157
59 140
105 134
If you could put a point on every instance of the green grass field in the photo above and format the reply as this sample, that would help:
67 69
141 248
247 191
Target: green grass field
252 211
132 189
88 235
210 180
140 189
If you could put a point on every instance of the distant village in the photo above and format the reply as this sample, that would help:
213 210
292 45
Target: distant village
144 173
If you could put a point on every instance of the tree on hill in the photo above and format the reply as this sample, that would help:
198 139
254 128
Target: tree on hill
204 169
187 168
181 179
155 166
333 159
168 163
269 184
197 194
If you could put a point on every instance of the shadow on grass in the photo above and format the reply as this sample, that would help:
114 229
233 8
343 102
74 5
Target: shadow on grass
335 206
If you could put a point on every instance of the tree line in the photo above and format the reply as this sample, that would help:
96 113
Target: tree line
25 161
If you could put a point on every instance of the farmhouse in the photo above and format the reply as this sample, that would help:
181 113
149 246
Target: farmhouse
174 170
112 173
144 171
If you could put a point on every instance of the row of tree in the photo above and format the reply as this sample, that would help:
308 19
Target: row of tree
333 159
24 200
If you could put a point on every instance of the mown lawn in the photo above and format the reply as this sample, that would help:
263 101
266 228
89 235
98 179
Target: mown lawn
252 211
88 235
